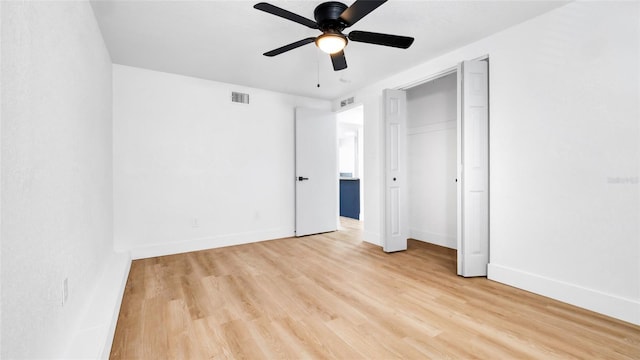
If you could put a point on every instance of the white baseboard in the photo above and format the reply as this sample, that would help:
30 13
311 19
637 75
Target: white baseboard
433 238
213 242
372 238
94 336
119 279
611 305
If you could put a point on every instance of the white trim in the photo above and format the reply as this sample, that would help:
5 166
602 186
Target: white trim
608 304
439 126
94 335
448 71
433 238
459 168
120 278
429 78
188 245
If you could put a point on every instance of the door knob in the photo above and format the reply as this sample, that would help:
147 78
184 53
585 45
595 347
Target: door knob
300 178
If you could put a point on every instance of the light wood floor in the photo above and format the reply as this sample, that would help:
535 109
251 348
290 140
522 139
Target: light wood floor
333 296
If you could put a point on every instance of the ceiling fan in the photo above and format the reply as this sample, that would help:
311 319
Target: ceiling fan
332 18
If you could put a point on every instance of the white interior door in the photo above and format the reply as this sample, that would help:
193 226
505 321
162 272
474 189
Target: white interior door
473 168
316 171
396 205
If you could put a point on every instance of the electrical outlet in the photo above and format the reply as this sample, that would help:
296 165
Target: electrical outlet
65 291
195 223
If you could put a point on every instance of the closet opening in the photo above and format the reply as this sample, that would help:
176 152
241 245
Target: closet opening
432 160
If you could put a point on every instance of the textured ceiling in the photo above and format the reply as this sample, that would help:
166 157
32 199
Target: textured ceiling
224 40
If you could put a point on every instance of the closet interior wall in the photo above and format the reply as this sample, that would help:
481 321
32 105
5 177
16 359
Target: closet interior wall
431 149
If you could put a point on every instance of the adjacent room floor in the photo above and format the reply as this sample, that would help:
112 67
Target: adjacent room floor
334 296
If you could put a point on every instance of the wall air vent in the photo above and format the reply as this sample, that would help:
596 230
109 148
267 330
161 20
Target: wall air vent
239 97
346 102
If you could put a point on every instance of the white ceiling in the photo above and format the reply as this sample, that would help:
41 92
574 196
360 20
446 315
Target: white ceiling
224 40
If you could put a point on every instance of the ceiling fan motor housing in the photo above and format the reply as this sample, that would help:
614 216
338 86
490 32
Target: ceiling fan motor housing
327 16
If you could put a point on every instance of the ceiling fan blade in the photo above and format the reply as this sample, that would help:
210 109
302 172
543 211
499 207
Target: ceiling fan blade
402 42
358 10
272 9
291 46
339 61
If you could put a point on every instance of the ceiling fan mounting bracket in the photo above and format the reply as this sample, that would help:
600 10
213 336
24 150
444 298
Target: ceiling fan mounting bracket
327 16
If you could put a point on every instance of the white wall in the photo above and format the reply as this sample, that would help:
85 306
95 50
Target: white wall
564 150
56 178
431 161
192 170
347 151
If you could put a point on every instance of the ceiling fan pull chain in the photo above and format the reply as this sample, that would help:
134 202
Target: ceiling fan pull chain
318 65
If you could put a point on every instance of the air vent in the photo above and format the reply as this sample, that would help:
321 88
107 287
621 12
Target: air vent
346 102
239 97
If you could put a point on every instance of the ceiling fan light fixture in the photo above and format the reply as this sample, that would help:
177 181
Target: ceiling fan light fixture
331 43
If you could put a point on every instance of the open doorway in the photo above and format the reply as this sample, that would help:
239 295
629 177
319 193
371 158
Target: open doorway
431 161
351 164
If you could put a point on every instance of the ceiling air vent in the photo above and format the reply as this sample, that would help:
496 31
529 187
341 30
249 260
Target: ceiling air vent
346 102
239 97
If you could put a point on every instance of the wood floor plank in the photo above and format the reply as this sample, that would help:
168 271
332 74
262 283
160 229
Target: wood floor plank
180 332
367 346
333 296
274 348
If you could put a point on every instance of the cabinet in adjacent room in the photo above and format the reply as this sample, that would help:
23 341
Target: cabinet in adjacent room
350 198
